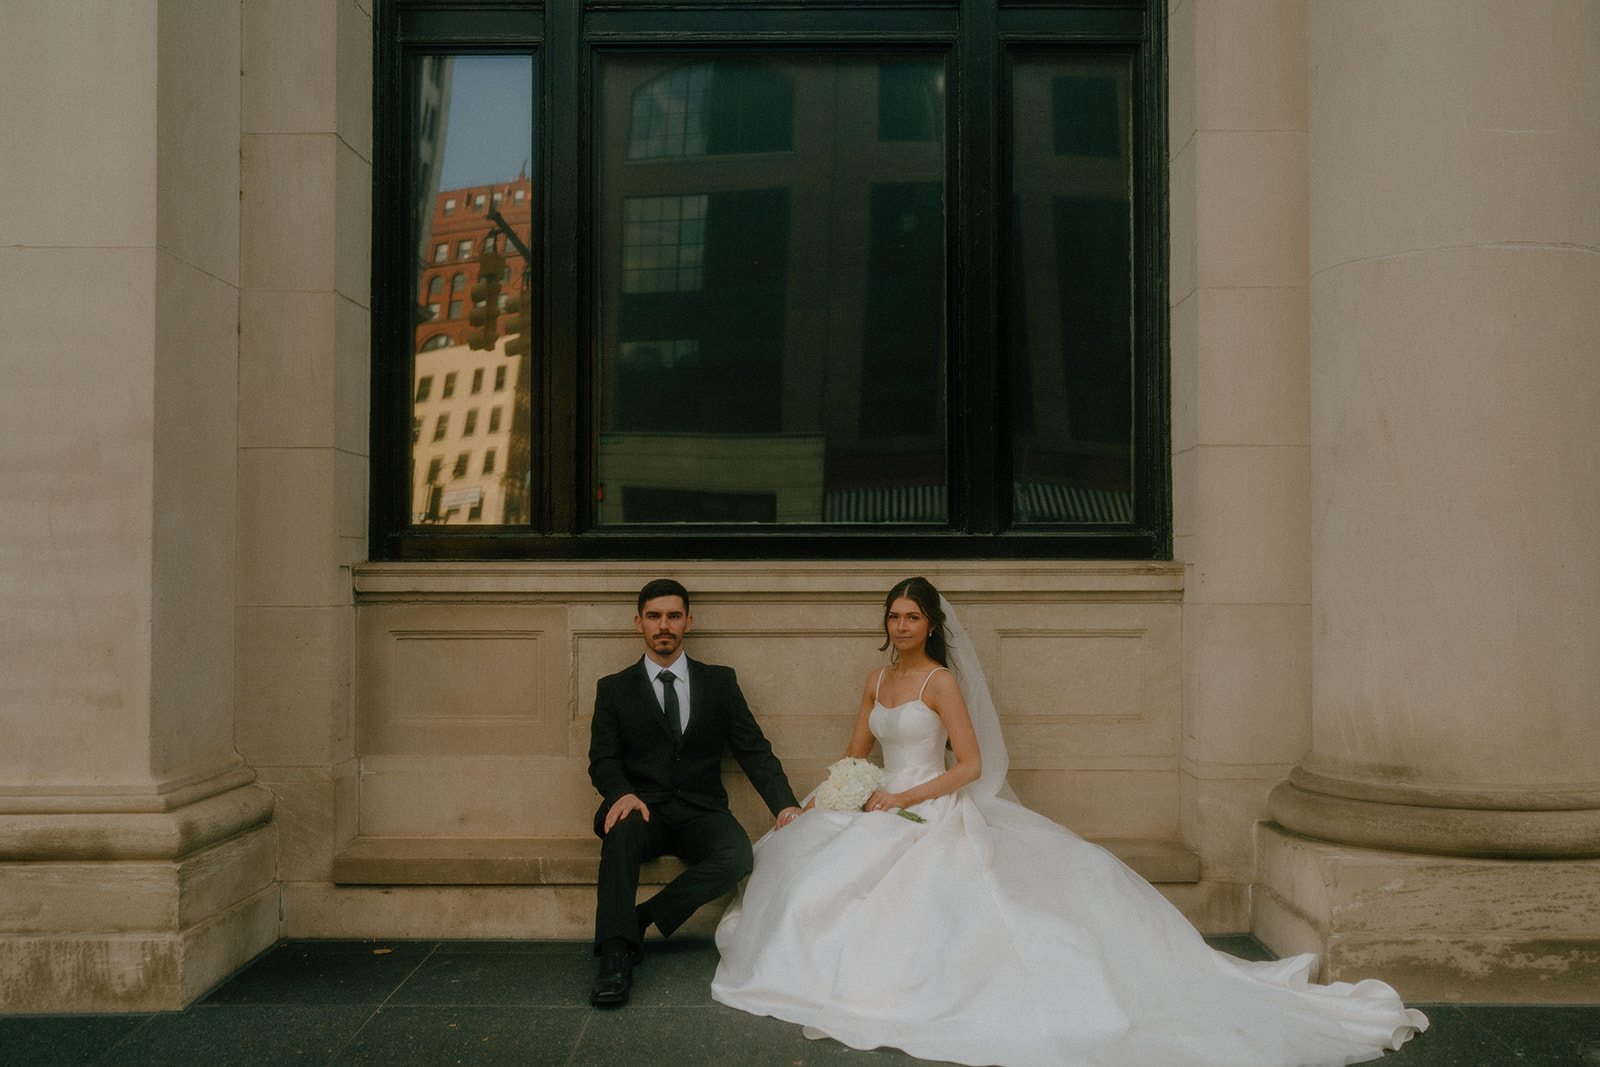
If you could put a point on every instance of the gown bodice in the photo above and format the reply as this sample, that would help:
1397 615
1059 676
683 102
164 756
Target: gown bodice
913 739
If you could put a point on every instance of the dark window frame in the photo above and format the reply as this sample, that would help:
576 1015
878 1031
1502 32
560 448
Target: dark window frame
983 36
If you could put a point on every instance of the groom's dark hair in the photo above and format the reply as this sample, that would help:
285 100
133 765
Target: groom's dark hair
663 587
927 598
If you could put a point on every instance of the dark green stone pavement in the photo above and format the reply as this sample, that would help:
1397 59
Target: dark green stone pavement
525 1003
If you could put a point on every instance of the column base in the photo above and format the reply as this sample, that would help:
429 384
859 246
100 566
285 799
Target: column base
1437 928
134 911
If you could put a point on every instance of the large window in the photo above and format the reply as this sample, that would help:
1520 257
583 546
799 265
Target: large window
879 279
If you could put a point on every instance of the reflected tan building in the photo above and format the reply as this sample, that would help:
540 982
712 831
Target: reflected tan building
463 402
1353 713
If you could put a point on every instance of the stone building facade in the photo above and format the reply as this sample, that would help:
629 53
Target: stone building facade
1357 712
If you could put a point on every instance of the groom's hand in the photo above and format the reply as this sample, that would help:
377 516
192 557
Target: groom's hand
625 806
787 816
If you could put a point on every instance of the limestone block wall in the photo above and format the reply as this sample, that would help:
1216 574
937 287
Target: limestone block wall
1240 411
305 231
476 684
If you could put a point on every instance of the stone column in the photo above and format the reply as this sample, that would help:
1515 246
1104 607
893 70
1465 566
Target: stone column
1443 831
136 855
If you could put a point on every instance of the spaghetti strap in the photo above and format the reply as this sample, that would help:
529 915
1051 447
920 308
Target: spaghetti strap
926 680
878 689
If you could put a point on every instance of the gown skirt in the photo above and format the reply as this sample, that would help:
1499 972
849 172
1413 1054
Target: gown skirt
990 935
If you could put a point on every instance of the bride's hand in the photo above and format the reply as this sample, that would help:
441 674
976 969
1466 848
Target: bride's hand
885 802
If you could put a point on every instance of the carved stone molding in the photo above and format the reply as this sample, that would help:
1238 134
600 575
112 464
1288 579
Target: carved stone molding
1523 824
133 835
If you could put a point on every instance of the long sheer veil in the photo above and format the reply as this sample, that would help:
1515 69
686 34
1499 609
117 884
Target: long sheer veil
980 706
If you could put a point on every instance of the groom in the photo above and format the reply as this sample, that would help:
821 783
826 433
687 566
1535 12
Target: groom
655 755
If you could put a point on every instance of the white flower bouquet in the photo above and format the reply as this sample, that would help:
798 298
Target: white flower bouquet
851 782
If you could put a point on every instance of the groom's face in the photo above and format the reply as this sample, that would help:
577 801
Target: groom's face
663 621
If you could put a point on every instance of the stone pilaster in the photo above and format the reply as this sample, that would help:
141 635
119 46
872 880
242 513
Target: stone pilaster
1445 828
137 856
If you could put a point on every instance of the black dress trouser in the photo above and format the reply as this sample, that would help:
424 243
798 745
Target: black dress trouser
712 843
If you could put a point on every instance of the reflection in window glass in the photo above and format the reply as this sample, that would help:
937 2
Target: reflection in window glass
663 241
771 287
473 141
669 113
1071 291
718 108
910 101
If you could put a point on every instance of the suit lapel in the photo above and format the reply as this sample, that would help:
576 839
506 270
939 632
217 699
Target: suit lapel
700 704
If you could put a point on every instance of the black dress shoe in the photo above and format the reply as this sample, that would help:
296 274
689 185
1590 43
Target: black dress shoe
614 981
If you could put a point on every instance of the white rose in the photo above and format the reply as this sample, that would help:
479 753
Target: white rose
850 782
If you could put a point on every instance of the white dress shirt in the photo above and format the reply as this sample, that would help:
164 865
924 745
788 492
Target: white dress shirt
680 670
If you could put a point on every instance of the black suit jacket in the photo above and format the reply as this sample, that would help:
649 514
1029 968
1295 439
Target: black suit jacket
632 749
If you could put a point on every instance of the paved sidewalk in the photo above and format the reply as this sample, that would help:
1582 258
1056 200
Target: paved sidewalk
525 1003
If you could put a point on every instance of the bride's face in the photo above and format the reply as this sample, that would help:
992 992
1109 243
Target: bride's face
907 625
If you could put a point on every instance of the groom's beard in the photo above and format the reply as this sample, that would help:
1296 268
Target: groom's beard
665 643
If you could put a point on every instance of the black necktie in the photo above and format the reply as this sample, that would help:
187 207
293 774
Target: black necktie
669 701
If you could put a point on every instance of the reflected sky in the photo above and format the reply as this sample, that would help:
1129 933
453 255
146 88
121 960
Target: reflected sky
491 121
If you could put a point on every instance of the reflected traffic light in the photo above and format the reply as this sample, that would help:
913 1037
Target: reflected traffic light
485 313
517 326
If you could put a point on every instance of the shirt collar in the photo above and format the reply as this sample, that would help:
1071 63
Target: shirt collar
679 668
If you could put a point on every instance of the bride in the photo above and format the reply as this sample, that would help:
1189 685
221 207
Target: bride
983 933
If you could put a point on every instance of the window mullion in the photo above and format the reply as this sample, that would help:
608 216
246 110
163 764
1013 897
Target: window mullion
977 505
391 382
568 433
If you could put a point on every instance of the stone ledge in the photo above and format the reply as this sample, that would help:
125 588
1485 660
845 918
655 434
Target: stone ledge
576 861
769 580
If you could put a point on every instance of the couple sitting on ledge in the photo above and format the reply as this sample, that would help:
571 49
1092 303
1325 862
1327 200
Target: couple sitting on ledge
972 930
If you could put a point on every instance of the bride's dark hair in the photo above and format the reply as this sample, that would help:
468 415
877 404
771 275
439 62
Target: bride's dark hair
926 597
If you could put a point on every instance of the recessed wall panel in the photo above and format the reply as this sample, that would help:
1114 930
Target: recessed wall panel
450 681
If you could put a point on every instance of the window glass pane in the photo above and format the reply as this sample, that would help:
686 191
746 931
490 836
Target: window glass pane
771 289
473 141
1071 290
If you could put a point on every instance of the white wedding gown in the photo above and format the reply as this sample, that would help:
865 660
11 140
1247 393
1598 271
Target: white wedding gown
990 935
